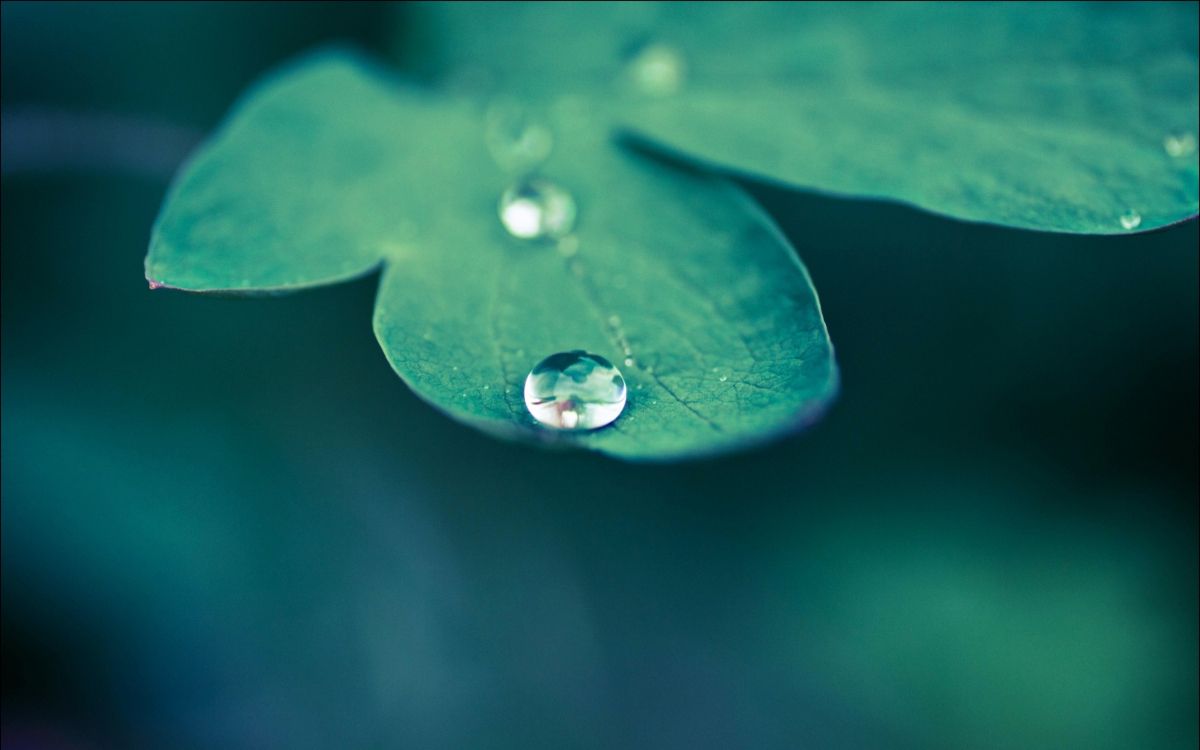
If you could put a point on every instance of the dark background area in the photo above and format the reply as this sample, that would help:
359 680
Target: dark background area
226 523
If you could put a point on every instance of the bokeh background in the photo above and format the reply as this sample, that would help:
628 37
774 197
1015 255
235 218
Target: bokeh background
226 523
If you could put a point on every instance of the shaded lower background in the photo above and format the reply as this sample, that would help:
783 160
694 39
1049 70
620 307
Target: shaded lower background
228 524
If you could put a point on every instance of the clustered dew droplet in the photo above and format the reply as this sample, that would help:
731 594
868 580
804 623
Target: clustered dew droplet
574 390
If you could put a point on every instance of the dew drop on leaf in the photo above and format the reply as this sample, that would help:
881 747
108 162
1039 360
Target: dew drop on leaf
657 69
516 140
1131 219
575 390
1179 144
536 208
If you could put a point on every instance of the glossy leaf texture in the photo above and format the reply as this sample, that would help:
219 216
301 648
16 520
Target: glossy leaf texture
331 168
1066 117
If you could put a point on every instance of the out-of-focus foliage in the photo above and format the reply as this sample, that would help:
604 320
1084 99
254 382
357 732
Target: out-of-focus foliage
180 61
1049 116
205 548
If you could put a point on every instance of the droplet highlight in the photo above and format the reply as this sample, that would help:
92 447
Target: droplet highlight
657 69
515 139
1131 219
536 208
1178 145
575 390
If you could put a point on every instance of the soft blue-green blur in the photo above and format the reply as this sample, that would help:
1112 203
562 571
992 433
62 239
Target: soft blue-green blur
227 524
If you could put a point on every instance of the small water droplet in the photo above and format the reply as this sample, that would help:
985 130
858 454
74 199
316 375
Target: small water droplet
575 390
657 69
629 361
723 378
1131 219
1179 144
537 208
515 139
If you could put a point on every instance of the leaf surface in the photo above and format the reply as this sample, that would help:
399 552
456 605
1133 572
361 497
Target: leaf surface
1069 117
331 169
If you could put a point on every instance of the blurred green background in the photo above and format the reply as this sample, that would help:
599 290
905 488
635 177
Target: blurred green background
228 524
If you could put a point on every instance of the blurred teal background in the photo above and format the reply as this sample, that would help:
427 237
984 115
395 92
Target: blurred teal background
226 523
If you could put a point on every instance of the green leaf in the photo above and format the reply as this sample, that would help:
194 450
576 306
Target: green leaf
330 169
1044 116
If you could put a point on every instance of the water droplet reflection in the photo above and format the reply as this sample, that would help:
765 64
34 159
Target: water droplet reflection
537 208
1179 144
575 390
657 69
515 139
1131 219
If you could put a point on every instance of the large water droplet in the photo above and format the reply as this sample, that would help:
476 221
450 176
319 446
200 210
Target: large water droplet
575 390
657 69
1179 144
1131 219
515 139
535 208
